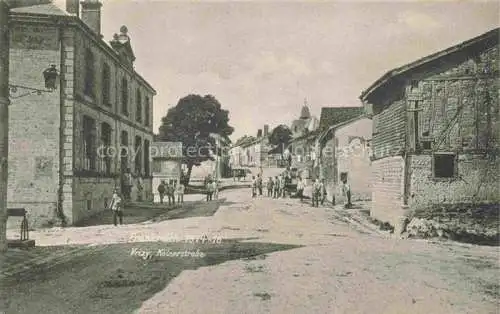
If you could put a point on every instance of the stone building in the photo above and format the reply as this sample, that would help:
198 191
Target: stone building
435 131
344 152
253 151
69 147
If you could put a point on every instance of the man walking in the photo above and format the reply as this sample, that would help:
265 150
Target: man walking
282 186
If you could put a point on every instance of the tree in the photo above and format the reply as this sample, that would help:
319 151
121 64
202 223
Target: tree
191 122
281 135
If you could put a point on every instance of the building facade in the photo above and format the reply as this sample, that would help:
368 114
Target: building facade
435 131
69 148
344 153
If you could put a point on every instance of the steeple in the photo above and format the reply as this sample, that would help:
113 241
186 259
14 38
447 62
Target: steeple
304 113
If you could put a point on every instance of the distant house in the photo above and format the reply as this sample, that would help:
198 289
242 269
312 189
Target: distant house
251 152
435 131
342 150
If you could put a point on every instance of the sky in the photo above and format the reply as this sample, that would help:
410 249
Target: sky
262 59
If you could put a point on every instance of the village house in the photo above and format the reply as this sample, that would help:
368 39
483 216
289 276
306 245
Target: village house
252 152
343 150
435 132
68 148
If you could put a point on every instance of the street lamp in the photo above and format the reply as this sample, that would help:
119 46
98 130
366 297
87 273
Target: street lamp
50 76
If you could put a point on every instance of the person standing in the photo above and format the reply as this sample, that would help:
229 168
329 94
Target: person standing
259 184
215 188
254 186
180 193
300 189
127 184
116 207
209 188
282 186
346 190
323 191
276 187
316 193
161 190
270 187
140 187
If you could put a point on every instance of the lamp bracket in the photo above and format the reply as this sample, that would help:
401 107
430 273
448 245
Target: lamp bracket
13 89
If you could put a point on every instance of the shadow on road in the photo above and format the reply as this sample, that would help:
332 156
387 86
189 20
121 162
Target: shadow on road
116 278
138 213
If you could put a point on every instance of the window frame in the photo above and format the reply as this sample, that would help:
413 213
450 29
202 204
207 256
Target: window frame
124 94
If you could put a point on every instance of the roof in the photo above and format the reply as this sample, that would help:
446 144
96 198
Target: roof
48 9
324 132
304 113
493 34
335 115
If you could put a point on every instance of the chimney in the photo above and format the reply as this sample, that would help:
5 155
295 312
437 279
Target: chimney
73 7
259 133
266 130
91 14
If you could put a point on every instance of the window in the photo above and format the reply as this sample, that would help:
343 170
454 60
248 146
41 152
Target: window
138 156
106 85
138 106
146 158
88 88
124 96
146 111
444 165
89 156
105 145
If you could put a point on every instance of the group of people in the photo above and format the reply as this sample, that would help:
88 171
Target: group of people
277 187
212 189
127 183
171 190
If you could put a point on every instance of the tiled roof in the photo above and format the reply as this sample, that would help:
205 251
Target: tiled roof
46 9
492 35
335 115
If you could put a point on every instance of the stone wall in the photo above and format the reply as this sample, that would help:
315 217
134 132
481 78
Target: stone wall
477 180
34 122
387 195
